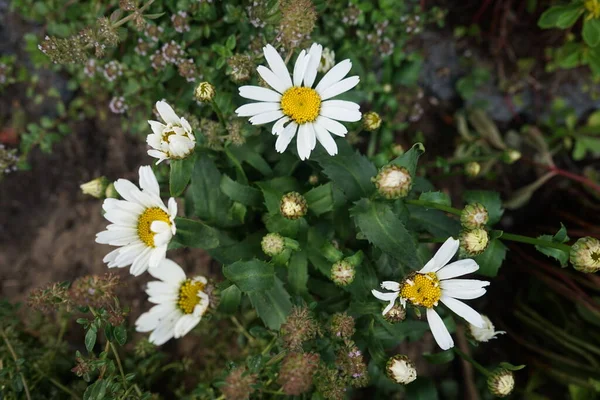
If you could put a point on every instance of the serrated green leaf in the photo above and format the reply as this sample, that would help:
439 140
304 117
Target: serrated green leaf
435 222
181 173
383 229
410 158
490 200
320 199
298 272
491 259
436 197
250 275
90 339
243 194
273 305
561 256
196 234
245 153
230 300
591 32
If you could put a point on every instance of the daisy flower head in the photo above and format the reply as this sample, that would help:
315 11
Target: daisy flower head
142 226
180 303
172 140
296 107
434 283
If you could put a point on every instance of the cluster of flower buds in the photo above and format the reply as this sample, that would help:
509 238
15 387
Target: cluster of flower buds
299 327
298 19
8 160
296 373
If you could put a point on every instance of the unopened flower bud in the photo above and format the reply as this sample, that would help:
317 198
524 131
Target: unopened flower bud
111 192
293 205
313 179
474 215
239 384
272 244
371 121
327 60
511 155
395 315
585 255
393 182
296 373
485 333
342 326
474 242
342 273
396 149
401 370
472 169
501 382
205 92
95 188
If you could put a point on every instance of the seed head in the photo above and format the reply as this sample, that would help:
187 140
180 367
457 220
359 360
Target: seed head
118 105
585 255
8 160
204 92
395 315
296 373
188 70
371 121
351 15
239 385
501 382
474 242
352 366
298 18
299 327
293 205
342 326
393 182
94 290
241 67
401 370
342 273
474 215
180 22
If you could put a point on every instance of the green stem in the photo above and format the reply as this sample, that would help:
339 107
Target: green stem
217 111
15 358
437 206
534 241
269 346
372 143
277 358
132 15
470 359
242 329
116 353
58 384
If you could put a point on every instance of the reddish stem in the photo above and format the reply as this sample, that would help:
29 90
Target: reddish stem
481 10
558 171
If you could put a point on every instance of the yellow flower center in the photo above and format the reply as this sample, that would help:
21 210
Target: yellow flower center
188 295
145 221
422 289
301 104
593 7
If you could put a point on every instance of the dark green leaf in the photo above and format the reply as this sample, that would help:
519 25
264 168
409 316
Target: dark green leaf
230 300
298 272
511 367
210 203
422 389
492 258
251 275
196 234
409 159
549 18
382 228
120 334
96 391
90 339
320 199
244 194
436 197
442 357
273 305
435 222
490 200
560 237
591 32
181 172
569 16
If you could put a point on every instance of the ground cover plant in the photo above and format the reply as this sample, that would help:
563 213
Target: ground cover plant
287 224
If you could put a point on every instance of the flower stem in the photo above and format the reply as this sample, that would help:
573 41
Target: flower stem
372 143
470 359
217 111
132 15
428 204
534 241
242 329
57 384
116 353
15 358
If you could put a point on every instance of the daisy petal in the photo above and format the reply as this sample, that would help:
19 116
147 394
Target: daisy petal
127 190
439 330
314 55
286 136
465 284
167 113
148 321
464 294
148 181
326 140
140 264
338 88
312 135
277 65
259 93
303 142
391 285
166 328
157 255
384 296
184 325
334 75
332 126
157 128
341 114
442 256
463 310
168 271
300 68
265 118
252 109
349 105
457 268
272 79
279 125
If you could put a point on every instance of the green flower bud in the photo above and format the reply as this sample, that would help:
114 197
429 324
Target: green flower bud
95 188
205 92
396 149
473 216
393 182
313 179
272 244
342 273
474 242
111 192
472 169
501 382
400 369
585 255
395 315
371 121
293 205
511 155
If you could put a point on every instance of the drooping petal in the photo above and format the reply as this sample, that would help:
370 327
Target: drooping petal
149 321
166 113
341 114
303 142
384 296
140 264
334 75
279 125
338 88
439 330
148 181
157 255
157 128
314 55
272 79
463 310
168 271
266 117
284 139
259 93
165 329
391 285
252 109
184 325
300 68
332 126
277 65
325 139
457 268
442 256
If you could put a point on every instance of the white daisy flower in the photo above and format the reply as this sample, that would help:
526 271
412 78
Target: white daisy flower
327 60
141 226
296 106
173 141
434 283
180 303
